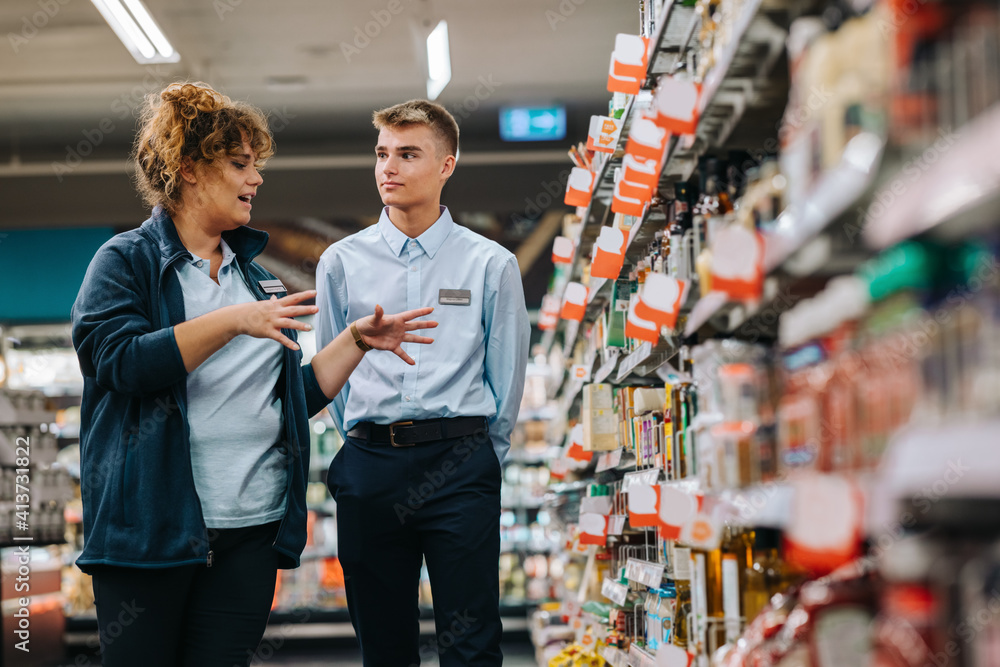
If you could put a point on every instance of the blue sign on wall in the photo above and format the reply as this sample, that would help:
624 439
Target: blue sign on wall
533 123
41 271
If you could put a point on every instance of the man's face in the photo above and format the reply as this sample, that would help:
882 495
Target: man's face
411 166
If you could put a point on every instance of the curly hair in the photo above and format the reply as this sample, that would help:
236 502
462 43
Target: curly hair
192 121
421 112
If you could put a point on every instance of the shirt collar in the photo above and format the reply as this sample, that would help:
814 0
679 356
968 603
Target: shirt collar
431 240
246 242
227 255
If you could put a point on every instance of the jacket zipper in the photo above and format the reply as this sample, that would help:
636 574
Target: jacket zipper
164 267
182 405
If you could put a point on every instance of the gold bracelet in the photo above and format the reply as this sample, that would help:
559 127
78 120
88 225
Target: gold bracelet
358 340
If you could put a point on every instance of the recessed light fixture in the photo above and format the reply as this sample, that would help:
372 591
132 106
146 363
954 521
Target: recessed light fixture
438 60
137 30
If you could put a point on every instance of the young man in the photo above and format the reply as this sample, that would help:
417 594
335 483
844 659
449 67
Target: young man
418 477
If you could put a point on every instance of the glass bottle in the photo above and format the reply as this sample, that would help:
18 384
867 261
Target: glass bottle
681 562
762 577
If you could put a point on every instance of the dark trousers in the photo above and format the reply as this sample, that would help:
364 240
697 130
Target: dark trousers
193 615
439 502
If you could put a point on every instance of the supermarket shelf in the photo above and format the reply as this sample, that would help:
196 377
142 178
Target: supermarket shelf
615 657
738 82
645 359
640 236
607 368
672 35
835 192
963 474
627 463
767 505
957 195
567 487
638 657
703 311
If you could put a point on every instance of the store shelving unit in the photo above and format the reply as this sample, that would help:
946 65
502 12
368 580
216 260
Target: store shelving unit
740 81
957 196
33 494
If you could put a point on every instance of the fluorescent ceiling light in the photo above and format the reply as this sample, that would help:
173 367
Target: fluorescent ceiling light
438 60
137 30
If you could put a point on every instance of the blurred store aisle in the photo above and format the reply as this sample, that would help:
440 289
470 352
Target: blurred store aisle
520 654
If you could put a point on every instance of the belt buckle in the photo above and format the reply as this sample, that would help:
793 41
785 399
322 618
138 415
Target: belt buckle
392 434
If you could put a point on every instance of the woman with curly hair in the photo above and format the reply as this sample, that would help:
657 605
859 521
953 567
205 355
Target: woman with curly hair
194 438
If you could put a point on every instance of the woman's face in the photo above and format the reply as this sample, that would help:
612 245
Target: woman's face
223 194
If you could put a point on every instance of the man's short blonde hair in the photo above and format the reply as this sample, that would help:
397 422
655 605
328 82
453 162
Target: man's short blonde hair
421 112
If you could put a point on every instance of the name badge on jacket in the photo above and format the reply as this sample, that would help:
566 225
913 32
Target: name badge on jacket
455 297
271 286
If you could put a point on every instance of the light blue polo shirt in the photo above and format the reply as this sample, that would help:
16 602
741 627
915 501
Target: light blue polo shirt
234 412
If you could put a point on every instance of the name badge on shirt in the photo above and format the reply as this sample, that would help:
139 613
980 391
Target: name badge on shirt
455 297
271 286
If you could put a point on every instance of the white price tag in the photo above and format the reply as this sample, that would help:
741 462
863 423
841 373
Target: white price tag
644 572
595 505
609 460
644 477
614 591
570 608
668 655
605 370
639 658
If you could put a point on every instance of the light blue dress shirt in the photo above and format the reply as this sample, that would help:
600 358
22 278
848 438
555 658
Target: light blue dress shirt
476 364
234 413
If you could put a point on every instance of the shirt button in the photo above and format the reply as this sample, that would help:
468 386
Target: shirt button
199 263
407 398
413 268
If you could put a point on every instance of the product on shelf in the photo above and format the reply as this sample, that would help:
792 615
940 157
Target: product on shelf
748 464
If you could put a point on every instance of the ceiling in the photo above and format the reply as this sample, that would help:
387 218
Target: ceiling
69 91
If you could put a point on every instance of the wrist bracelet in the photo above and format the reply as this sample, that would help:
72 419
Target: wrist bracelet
358 340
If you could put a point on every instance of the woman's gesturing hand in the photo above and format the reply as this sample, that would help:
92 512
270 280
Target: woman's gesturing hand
388 332
266 319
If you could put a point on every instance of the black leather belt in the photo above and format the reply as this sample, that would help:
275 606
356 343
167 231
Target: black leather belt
407 434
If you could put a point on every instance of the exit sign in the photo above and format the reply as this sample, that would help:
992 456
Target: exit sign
533 123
